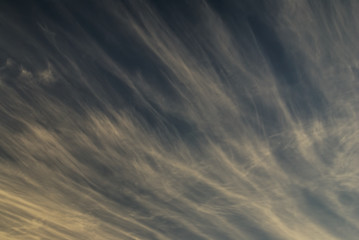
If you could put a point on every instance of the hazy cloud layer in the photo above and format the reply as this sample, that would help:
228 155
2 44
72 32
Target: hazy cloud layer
179 120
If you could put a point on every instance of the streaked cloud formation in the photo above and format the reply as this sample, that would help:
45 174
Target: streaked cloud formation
179 120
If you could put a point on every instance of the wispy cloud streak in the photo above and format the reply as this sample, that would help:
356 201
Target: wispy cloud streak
160 120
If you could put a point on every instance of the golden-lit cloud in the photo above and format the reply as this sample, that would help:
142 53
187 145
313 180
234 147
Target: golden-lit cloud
131 120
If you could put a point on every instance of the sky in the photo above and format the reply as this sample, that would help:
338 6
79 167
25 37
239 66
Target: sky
155 119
